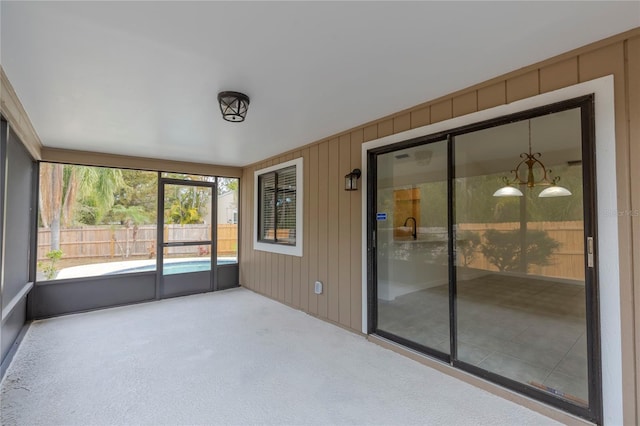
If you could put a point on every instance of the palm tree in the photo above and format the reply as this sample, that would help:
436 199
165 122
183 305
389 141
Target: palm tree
50 199
98 184
62 187
129 217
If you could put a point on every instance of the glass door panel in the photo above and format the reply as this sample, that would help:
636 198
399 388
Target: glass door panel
187 213
187 246
227 228
412 246
520 272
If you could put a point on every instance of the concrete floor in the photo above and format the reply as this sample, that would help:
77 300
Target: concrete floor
231 357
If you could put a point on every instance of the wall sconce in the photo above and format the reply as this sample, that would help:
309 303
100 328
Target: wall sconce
351 180
531 159
233 105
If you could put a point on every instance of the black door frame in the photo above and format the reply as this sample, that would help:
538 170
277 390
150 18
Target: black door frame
161 244
372 231
586 104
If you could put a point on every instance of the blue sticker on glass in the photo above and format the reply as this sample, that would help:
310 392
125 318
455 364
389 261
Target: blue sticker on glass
381 216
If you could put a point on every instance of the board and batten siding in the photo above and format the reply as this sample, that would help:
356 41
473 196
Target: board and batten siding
332 218
331 244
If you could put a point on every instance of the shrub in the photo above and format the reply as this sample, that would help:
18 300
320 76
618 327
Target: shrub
49 269
504 249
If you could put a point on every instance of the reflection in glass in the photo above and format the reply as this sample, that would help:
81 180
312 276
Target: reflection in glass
520 267
412 245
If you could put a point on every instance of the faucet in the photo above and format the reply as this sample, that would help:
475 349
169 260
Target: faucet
414 233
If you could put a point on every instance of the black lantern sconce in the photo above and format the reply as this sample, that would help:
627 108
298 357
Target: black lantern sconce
233 105
351 180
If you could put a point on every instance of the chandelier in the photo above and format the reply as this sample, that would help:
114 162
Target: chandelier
531 159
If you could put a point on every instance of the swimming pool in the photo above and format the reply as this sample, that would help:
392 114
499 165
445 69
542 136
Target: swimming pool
176 266
171 266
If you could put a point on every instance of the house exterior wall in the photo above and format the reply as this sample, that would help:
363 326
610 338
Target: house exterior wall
227 205
332 216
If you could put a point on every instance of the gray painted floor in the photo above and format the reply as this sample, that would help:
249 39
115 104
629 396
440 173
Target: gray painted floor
230 357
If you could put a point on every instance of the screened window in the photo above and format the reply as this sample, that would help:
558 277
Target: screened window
95 221
279 212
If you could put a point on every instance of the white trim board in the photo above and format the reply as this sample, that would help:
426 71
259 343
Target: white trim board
608 258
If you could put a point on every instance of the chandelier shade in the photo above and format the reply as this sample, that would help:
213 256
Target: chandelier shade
508 191
554 191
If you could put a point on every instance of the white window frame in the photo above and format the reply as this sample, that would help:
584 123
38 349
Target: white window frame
291 250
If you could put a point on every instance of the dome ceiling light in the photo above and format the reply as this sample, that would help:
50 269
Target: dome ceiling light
233 105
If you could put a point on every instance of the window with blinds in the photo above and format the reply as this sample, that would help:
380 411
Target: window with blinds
277 206
278 202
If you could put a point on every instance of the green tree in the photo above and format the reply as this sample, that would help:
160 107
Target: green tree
475 203
189 177
227 185
467 243
558 208
433 204
504 249
65 188
95 190
130 217
187 204
140 189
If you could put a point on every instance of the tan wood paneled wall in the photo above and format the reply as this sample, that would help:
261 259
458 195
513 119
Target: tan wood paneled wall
332 220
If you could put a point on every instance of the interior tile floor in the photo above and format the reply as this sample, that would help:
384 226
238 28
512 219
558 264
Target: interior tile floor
230 357
526 329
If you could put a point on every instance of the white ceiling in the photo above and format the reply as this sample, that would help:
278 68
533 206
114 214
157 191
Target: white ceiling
141 78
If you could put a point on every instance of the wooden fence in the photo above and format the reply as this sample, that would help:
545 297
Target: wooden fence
566 262
111 242
115 241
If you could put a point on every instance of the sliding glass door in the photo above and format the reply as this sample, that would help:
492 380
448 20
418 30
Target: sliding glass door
482 252
412 247
521 310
